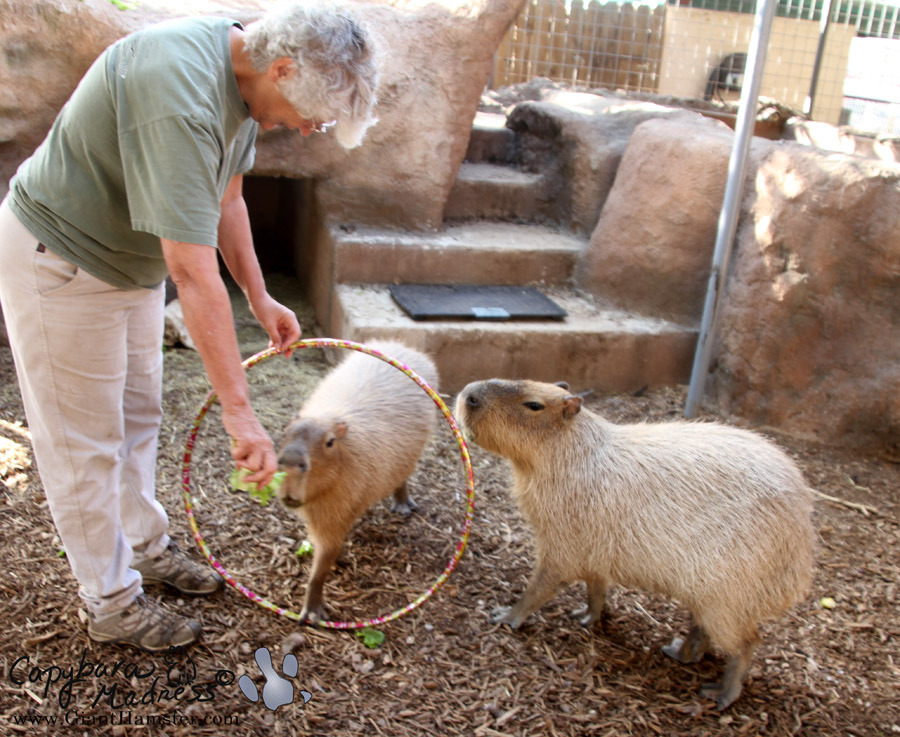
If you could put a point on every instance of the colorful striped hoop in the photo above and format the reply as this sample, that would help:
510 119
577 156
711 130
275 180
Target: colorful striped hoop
464 453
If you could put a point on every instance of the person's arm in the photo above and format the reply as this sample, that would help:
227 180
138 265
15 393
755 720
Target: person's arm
207 315
236 247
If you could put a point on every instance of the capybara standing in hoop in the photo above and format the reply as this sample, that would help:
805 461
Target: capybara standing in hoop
716 517
355 441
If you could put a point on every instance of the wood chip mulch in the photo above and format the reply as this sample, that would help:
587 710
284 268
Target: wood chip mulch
830 667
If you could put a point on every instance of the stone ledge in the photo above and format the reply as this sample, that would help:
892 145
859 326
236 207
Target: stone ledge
476 253
594 348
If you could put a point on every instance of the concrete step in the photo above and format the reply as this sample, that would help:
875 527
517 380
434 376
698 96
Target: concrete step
486 190
490 139
594 348
462 253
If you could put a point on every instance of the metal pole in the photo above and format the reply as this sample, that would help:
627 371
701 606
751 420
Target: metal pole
820 50
731 202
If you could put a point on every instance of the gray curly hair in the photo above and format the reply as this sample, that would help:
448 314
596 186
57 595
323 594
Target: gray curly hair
336 71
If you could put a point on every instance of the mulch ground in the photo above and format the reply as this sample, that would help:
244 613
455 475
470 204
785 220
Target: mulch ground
443 668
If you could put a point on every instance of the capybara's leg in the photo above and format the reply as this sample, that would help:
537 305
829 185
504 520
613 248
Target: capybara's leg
541 587
595 610
729 688
689 650
324 557
403 504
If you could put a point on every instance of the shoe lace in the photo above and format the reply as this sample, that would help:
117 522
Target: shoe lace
155 613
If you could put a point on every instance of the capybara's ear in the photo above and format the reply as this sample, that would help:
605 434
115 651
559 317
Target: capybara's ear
340 429
562 385
571 406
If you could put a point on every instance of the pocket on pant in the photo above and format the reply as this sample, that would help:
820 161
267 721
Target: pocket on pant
52 272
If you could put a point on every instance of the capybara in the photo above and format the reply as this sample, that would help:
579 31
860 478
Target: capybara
713 516
354 442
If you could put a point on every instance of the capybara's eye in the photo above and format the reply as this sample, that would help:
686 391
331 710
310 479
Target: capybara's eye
330 443
534 406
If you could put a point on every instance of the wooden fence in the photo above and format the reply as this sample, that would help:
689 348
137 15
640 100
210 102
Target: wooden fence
588 45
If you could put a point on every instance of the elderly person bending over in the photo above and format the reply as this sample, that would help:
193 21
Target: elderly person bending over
140 177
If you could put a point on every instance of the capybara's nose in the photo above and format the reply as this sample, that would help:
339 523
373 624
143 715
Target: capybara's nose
292 503
293 460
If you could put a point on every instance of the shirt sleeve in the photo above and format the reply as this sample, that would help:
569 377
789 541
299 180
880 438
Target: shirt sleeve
245 147
171 174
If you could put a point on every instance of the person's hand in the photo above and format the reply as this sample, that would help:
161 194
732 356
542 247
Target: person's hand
251 446
278 321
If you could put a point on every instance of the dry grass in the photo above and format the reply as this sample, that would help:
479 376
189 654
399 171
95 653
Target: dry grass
443 669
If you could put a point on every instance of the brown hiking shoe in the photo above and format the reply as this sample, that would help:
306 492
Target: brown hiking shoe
146 624
174 568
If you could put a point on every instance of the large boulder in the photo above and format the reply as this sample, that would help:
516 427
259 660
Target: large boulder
808 334
577 139
652 246
808 338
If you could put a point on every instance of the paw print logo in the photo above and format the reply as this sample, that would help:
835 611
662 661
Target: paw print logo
277 691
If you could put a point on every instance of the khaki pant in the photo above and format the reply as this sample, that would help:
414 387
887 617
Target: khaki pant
89 362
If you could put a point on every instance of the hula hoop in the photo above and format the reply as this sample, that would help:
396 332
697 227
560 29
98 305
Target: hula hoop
464 453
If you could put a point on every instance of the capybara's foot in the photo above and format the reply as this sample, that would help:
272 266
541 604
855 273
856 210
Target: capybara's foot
312 616
729 688
673 649
314 610
587 616
506 615
691 649
723 695
404 508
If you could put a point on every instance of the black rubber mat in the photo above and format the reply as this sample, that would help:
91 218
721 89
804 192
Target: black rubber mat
475 302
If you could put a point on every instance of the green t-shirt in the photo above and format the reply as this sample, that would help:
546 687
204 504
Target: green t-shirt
144 148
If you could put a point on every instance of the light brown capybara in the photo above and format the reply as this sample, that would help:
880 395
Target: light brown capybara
354 442
716 517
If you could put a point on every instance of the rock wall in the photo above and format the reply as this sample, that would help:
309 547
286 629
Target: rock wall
437 61
809 335
578 140
652 246
45 48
